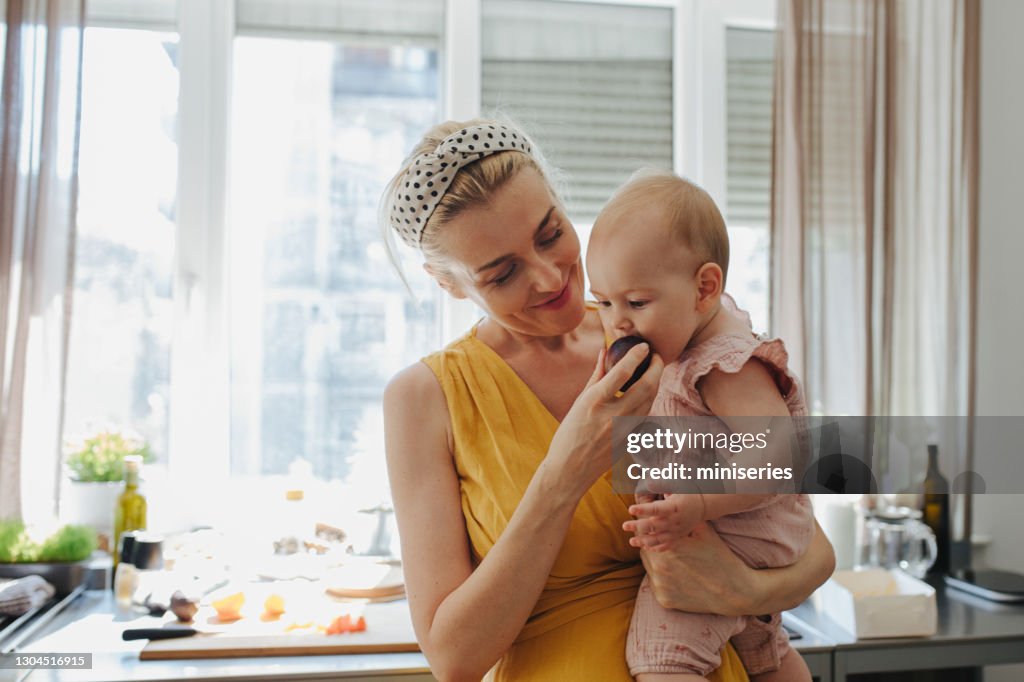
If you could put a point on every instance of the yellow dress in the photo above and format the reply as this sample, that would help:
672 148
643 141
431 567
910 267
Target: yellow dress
577 631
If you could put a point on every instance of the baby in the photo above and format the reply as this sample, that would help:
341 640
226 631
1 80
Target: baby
657 260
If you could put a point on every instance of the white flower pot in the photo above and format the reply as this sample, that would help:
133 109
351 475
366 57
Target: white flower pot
90 503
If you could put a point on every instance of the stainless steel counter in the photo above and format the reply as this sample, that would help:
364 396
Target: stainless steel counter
972 632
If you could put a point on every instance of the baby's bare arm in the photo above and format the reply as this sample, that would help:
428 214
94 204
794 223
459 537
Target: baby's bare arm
751 392
749 401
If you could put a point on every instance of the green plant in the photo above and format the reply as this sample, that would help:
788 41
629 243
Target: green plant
100 457
69 543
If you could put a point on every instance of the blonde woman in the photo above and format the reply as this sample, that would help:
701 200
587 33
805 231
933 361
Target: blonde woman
499 445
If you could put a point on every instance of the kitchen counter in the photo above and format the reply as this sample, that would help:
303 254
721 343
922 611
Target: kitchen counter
92 624
971 632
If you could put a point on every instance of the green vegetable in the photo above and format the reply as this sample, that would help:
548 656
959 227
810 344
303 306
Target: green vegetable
101 456
70 543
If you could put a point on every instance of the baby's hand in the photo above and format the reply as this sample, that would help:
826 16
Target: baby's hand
661 523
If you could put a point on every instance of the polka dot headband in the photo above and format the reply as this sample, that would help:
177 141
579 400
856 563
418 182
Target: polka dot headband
429 176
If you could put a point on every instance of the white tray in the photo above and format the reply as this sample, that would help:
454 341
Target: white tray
878 603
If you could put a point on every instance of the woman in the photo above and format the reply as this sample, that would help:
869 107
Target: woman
498 446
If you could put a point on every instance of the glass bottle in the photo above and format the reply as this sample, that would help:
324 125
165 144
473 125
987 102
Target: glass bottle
936 509
125 575
130 512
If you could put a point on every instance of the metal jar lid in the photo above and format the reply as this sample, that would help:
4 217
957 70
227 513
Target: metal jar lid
897 514
149 551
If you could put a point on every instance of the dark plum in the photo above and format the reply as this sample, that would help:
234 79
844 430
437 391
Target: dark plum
618 350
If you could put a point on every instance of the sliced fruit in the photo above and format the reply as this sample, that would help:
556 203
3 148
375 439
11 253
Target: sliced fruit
344 623
230 607
274 605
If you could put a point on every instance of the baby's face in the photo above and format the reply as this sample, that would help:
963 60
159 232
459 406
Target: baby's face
644 281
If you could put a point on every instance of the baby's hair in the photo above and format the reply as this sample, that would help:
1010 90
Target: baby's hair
473 185
690 212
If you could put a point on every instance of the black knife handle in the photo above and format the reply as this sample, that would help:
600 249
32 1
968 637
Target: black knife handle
156 633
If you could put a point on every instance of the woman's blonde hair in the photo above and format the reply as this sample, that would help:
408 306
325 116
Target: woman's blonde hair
473 185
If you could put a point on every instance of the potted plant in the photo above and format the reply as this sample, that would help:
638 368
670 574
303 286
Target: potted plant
95 467
59 557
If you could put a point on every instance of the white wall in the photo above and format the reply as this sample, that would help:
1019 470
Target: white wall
1000 364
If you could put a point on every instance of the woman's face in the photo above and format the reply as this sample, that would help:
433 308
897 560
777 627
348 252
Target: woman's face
518 258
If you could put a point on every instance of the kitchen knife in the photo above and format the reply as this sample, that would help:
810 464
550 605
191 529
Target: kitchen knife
157 633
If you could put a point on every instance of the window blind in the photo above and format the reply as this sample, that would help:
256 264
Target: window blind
160 15
403 19
591 83
394 20
749 82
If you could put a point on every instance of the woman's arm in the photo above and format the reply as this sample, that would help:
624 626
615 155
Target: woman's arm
446 595
701 574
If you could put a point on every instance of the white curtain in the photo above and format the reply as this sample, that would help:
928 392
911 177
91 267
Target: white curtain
875 202
39 111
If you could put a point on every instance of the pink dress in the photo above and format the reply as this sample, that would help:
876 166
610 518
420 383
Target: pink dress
775 534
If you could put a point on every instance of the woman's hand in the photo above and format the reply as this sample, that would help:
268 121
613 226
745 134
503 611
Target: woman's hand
701 574
581 448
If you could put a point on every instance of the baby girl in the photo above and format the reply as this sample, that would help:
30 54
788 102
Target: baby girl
657 260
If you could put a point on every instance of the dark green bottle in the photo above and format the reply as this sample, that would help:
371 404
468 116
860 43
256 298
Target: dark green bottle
936 510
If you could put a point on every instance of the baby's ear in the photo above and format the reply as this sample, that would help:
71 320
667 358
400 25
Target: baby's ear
445 281
709 286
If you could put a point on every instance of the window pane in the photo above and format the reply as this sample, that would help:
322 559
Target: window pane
319 320
749 83
119 355
592 83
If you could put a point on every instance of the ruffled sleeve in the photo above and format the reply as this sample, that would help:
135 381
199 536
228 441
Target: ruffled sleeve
727 353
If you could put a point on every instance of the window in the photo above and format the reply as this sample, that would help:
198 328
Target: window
122 322
232 157
593 84
328 98
319 321
749 57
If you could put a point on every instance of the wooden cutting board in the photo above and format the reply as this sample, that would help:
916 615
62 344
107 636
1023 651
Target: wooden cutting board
388 630
376 581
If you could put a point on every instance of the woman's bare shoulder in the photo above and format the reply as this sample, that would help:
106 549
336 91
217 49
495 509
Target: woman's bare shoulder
416 380
414 399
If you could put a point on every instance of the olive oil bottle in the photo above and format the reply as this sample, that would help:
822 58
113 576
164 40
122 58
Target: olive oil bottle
936 510
130 512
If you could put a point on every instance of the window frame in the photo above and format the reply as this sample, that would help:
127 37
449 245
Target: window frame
199 408
704 26
199 424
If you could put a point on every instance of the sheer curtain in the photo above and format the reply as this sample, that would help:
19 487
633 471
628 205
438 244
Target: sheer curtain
39 109
875 202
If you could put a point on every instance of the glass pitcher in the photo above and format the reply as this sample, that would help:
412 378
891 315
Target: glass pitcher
897 538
